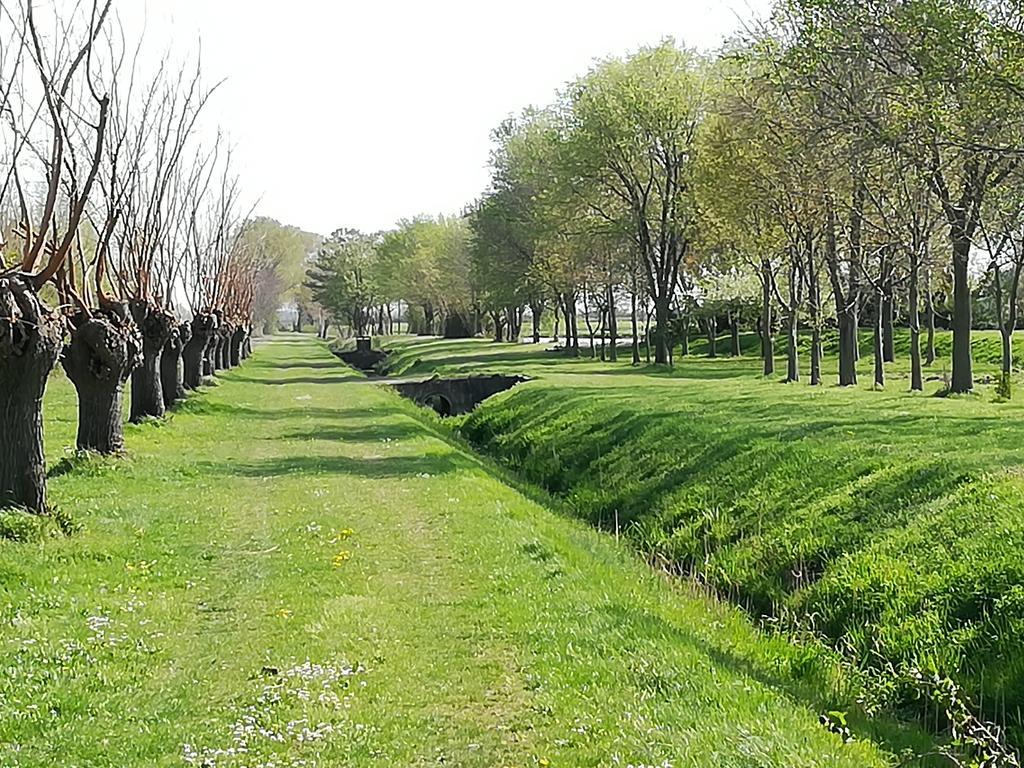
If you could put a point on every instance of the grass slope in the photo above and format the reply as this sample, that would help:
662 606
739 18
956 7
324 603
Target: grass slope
296 566
892 523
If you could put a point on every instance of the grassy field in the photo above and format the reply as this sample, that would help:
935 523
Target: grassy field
298 569
888 523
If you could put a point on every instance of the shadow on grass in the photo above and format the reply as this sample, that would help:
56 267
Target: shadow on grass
199 407
367 434
318 366
390 466
343 379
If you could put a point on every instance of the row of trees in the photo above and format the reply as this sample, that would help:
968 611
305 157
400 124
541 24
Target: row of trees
117 220
848 164
419 271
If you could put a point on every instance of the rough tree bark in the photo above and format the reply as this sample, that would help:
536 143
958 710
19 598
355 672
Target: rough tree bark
196 352
963 375
888 320
914 321
734 334
661 322
106 346
235 351
156 326
30 342
172 366
224 331
613 327
845 303
536 312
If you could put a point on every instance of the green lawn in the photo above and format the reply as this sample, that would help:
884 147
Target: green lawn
889 523
298 564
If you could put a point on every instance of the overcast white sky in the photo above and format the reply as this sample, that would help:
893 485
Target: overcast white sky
360 113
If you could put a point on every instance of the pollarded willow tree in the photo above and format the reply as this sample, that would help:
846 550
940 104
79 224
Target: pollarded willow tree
53 124
150 186
218 270
97 209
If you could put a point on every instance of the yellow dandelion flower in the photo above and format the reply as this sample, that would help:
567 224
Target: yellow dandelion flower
341 557
341 535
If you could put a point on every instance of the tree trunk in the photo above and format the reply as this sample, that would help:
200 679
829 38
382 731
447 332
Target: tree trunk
574 324
684 342
572 341
590 326
105 348
633 322
613 328
172 368
888 321
209 353
223 355
792 351
815 353
30 342
712 329
536 313
929 314
814 309
879 346
963 374
845 303
1006 332
854 295
196 354
734 334
156 326
767 343
914 321
499 326
428 319
661 320
647 333
235 351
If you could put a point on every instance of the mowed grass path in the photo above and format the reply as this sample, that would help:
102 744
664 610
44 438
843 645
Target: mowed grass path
296 569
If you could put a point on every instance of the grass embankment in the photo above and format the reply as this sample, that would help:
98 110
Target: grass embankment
294 564
891 523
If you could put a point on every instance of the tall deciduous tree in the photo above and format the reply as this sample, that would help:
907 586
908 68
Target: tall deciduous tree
632 128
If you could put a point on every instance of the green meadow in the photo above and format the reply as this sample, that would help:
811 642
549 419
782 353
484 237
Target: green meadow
298 568
884 524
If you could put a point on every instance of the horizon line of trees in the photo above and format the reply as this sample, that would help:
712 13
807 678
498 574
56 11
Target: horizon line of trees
847 164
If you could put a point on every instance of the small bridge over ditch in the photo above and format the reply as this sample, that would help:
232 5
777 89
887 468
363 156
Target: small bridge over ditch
455 396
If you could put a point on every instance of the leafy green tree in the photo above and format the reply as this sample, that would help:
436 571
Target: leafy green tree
285 252
937 81
343 279
630 151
